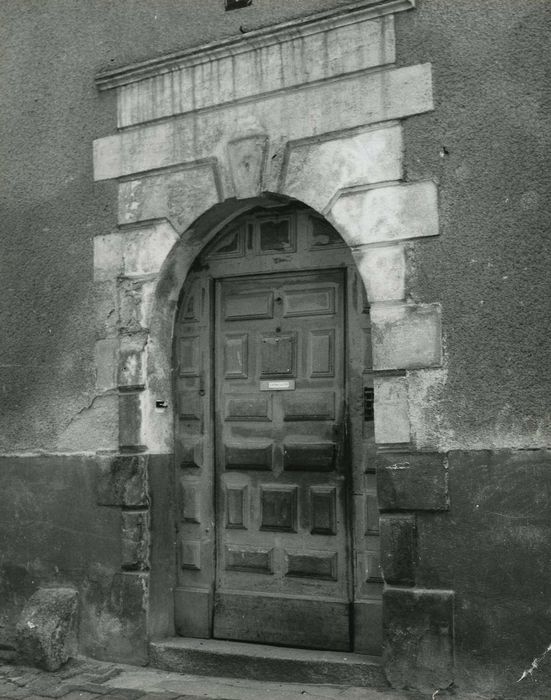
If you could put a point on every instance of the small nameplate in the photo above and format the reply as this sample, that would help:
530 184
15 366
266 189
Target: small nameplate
277 385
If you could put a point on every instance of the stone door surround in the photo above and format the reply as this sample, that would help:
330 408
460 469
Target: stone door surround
308 110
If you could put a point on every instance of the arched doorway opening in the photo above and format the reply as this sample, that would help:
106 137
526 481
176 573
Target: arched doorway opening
277 513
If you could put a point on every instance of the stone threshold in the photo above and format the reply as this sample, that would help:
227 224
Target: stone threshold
212 657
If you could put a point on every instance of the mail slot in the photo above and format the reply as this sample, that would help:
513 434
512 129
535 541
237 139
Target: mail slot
277 385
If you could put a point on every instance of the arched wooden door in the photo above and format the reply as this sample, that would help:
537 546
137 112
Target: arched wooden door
278 522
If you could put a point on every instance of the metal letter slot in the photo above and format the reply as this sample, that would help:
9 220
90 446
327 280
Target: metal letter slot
277 385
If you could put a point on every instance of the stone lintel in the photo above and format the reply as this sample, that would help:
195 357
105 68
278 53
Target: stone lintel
380 96
412 481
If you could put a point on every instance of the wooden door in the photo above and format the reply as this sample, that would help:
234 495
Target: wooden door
283 573
262 541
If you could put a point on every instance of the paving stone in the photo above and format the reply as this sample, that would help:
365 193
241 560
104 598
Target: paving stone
129 693
87 687
79 695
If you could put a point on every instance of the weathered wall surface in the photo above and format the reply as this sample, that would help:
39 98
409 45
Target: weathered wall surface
52 533
51 113
488 145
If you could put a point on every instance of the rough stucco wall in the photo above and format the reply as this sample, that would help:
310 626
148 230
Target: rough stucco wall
51 208
488 145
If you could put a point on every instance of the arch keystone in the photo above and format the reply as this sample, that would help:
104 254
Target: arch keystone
247 161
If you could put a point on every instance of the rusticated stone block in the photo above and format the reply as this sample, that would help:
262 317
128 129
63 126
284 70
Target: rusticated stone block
412 481
418 638
398 549
122 480
135 540
46 628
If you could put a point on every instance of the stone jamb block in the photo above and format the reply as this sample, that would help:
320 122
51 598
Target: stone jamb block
418 638
388 213
130 421
123 480
46 628
135 540
144 250
132 361
398 548
383 271
135 298
412 481
392 424
406 336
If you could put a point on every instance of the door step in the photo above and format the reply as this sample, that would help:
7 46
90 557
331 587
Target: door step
212 657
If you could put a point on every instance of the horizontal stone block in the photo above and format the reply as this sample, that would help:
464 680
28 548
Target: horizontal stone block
383 271
391 410
135 540
179 196
355 101
133 253
219 74
384 214
369 157
418 638
406 336
122 480
412 481
398 549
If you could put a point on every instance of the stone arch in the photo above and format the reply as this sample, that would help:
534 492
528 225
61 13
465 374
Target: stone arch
184 171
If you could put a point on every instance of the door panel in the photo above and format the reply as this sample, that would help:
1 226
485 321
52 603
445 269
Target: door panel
283 573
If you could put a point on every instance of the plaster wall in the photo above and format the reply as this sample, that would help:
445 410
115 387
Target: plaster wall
486 143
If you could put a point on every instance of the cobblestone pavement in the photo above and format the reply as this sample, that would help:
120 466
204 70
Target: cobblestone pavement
79 679
85 679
